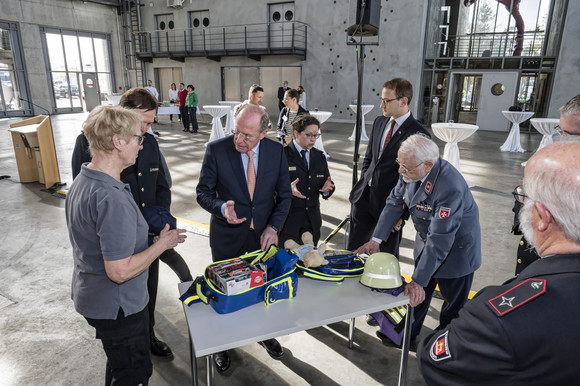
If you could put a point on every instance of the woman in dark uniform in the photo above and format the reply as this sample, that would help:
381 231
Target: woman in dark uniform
310 179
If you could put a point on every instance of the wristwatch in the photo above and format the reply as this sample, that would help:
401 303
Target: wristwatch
275 228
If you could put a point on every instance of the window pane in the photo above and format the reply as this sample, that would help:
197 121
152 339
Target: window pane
104 86
87 57
55 53
75 90
102 55
73 60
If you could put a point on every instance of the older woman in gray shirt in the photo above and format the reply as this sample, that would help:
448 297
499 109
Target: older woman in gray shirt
109 239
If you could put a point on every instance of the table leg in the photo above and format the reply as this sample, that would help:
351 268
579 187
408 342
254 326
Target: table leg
193 361
406 343
351 333
209 369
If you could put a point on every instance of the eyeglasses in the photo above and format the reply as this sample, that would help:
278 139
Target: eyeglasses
406 168
386 101
245 137
312 136
519 194
141 138
561 131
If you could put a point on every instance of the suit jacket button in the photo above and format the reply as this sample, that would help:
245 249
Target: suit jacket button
424 218
424 240
143 205
519 261
139 174
521 242
142 189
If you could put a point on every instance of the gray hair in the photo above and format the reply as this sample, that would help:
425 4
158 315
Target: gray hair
572 107
422 147
558 192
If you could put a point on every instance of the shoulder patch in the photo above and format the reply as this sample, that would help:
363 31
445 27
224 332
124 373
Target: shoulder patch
439 350
520 294
428 187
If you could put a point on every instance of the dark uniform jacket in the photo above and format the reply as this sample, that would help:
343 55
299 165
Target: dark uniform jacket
524 332
383 171
446 218
146 177
310 181
223 178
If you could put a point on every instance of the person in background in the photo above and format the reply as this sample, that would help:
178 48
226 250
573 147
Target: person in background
108 235
149 182
174 99
310 179
447 248
281 91
245 215
568 128
152 90
255 97
182 95
191 104
302 101
525 331
287 115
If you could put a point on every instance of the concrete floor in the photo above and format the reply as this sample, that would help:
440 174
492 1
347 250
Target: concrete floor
44 341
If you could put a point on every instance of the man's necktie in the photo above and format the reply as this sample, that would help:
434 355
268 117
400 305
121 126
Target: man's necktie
251 179
303 153
390 134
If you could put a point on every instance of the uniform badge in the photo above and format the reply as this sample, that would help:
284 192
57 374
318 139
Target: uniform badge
423 206
518 295
428 187
291 168
319 175
444 212
440 348
151 170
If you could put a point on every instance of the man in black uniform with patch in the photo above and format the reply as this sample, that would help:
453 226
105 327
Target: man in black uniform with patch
150 187
526 330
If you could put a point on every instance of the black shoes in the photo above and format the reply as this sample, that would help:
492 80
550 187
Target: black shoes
389 343
371 321
193 131
159 348
221 361
273 348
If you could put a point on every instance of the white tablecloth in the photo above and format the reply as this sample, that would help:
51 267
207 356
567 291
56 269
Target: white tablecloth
363 135
452 133
547 127
216 111
322 117
230 119
165 110
512 143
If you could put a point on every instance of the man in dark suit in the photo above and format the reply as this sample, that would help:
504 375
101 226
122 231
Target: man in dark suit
447 247
310 178
244 184
379 173
150 187
281 91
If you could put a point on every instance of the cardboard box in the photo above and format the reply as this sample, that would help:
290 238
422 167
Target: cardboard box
237 275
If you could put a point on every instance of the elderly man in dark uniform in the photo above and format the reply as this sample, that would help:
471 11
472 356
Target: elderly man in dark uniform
244 184
448 241
149 187
524 332
310 179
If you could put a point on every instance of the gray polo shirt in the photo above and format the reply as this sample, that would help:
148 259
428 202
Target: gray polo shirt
104 223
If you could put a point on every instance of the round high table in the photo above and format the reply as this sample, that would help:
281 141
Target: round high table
363 135
322 117
216 111
547 127
512 143
230 119
114 99
452 133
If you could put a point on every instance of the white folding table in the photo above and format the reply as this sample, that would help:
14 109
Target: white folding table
322 117
316 304
364 110
512 143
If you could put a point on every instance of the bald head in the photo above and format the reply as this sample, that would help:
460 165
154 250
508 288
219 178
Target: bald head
570 117
552 183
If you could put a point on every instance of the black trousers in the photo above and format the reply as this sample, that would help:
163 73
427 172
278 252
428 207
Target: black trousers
455 293
176 262
126 344
184 117
193 118
251 243
362 227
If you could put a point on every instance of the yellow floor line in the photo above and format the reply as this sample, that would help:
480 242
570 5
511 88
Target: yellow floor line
408 279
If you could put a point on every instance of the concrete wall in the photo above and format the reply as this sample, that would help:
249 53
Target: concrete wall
65 14
567 76
329 73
